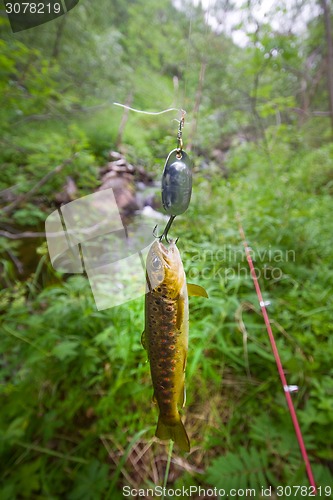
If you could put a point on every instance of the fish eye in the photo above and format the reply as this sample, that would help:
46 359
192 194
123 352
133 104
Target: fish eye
156 264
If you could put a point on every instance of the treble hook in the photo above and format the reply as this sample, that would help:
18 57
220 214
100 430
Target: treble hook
166 230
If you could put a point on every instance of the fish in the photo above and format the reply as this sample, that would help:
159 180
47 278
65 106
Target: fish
165 336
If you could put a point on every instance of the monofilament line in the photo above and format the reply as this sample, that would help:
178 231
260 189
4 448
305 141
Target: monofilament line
147 112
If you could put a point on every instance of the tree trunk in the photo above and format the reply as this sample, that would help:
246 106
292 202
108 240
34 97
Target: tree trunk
197 105
59 33
329 41
123 121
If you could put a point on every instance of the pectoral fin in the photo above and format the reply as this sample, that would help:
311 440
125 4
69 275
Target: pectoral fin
180 311
143 340
182 398
196 290
184 362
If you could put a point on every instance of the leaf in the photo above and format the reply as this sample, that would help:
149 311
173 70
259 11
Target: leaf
90 482
29 478
17 428
105 337
66 349
323 475
239 470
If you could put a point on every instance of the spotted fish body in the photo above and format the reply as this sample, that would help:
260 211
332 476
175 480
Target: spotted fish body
166 337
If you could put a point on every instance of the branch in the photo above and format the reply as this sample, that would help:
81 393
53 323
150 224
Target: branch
61 115
18 236
18 264
300 111
31 234
11 207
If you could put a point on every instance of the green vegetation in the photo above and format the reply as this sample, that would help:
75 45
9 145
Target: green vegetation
76 417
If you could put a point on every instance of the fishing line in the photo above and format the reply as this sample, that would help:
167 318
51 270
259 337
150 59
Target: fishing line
188 52
286 388
177 182
146 112
187 65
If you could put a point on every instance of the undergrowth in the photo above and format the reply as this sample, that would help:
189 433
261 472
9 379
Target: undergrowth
76 414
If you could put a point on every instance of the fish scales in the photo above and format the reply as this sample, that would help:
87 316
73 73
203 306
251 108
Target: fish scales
166 338
167 350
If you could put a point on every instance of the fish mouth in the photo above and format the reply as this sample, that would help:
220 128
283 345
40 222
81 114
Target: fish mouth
164 266
166 253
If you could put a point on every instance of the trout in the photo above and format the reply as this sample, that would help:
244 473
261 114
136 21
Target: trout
166 336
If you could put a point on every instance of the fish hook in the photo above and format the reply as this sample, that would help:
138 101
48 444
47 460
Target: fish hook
166 230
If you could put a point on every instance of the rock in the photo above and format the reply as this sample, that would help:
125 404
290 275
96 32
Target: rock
114 155
153 214
123 189
219 158
122 177
218 155
8 195
68 193
118 163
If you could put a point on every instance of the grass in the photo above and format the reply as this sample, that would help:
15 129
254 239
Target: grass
77 418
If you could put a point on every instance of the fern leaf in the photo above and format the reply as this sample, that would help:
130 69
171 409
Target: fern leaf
244 469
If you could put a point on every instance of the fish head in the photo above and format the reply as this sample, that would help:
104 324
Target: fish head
165 269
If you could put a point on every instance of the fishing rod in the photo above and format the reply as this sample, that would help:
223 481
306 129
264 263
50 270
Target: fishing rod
286 388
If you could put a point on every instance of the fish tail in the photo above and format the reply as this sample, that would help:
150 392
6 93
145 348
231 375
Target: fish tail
175 431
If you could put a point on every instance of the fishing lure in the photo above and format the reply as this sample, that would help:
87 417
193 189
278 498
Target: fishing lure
165 336
176 185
